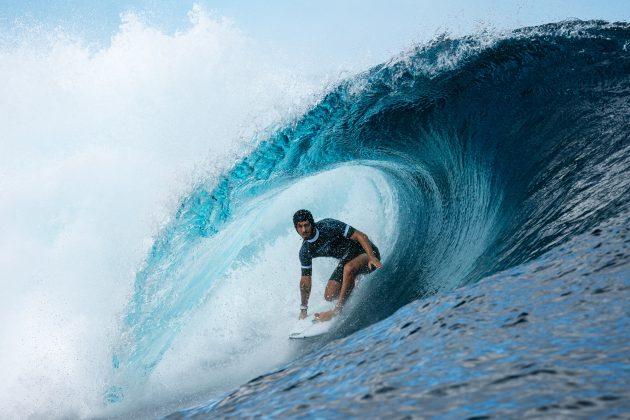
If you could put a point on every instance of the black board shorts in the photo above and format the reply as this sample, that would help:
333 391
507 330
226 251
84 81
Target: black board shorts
337 275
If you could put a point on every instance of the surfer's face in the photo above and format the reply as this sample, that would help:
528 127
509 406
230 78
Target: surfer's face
305 229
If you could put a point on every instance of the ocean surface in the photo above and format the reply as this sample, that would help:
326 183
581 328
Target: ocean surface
494 175
545 339
492 171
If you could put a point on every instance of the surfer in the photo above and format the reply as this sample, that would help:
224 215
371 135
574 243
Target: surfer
332 238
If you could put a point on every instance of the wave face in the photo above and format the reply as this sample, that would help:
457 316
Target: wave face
461 159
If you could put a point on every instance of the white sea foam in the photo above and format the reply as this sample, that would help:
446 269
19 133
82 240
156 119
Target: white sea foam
96 148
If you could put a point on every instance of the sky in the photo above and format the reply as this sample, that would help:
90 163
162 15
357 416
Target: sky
324 33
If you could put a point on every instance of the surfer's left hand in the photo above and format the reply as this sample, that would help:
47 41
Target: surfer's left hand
325 316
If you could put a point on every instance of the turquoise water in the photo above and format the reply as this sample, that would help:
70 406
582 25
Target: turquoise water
492 174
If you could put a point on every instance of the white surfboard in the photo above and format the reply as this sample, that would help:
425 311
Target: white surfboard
309 327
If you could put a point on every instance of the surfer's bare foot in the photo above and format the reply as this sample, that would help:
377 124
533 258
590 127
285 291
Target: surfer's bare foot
325 316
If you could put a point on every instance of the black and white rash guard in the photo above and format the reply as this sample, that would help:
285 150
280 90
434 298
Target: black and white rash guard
331 238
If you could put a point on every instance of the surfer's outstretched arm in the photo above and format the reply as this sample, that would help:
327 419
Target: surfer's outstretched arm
305 293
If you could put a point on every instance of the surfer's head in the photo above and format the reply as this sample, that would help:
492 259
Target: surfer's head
304 223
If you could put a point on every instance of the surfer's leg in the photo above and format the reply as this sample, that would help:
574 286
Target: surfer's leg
350 271
334 283
332 290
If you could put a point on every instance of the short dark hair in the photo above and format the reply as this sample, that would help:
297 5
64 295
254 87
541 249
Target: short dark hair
302 215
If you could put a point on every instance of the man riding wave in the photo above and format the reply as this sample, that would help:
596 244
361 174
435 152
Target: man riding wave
335 239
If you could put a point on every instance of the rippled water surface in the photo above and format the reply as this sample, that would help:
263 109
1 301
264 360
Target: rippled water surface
549 338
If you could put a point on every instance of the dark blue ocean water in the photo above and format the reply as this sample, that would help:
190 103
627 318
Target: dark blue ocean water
505 288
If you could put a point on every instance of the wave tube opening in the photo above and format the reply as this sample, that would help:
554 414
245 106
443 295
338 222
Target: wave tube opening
220 310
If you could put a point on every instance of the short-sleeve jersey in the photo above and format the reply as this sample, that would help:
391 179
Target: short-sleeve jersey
331 239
